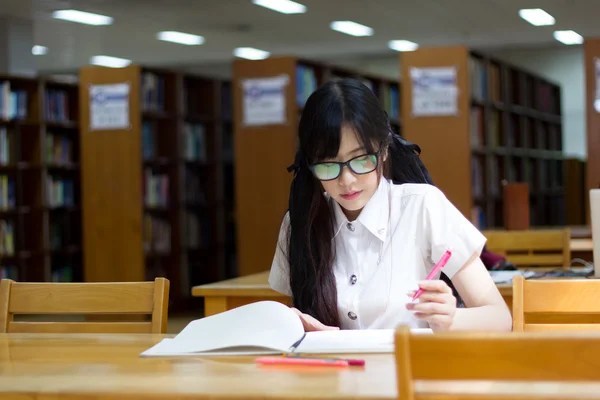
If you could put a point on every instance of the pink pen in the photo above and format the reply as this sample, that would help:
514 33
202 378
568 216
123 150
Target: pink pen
301 361
434 271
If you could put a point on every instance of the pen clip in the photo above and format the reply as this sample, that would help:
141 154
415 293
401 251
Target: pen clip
295 345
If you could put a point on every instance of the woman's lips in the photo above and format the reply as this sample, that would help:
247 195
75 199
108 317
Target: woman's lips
351 195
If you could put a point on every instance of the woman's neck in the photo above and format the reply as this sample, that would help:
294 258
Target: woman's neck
351 215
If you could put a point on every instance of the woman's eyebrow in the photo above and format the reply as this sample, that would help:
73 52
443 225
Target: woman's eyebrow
357 150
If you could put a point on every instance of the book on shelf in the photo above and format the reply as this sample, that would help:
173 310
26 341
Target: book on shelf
56 105
59 149
391 101
194 142
6 146
149 130
62 272
193 191
153 89
7 192
478 218
156 188
59 191
478 79
477 131
7 238
268 327
13 103
197 231
306 83
9 272
477 178
157 234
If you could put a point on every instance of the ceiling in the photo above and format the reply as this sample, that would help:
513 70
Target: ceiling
227 24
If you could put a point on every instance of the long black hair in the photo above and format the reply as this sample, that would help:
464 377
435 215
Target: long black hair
311 251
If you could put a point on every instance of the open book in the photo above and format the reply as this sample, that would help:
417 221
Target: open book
267 327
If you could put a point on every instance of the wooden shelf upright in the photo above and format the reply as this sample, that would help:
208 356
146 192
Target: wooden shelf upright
153 192
591 48
40 222
264 152
507 128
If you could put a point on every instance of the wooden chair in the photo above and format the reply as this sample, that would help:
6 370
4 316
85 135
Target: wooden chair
451 357
556 304
551 248
90 299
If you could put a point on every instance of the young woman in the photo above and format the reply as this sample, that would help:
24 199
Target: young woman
364 229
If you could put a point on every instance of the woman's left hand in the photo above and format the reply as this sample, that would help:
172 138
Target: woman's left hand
436 305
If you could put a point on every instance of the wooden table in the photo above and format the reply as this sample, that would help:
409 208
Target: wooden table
77 366
225 295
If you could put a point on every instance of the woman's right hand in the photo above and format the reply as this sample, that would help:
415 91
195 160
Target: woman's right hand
310 323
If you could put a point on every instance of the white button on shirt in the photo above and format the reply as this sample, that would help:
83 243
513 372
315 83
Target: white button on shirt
394 243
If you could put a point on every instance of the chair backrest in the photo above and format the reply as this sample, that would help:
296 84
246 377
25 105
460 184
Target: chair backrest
532 247
87 299
555 304
494 356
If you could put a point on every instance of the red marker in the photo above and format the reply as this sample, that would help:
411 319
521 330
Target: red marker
434 271
326 362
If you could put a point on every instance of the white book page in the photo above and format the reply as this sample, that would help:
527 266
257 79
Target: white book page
256 327
351 341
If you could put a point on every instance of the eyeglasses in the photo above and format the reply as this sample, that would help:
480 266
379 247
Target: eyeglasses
360 165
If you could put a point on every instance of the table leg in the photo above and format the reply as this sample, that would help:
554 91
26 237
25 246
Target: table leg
214 305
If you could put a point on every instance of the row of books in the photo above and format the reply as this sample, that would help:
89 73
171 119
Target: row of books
13 103
7 238
153 92
9 272
157 234
197 231
539 174
59 232
61 272
56 106
486 83
477 128
7 192
306 83
59 149
193 188
194 142
195 96
478 217
156 188
5 146
391 101
149 137
540 136
60 192
478 79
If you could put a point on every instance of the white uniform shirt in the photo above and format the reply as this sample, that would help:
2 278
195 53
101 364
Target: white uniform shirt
398 237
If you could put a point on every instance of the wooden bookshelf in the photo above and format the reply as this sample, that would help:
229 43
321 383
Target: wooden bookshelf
40 214
264 152
591 54
153 194
507 128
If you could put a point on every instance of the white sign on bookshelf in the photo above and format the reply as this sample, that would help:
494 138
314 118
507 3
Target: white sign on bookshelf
109 106
597 82
264 100
434 91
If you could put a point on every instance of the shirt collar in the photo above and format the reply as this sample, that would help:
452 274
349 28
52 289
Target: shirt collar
374 216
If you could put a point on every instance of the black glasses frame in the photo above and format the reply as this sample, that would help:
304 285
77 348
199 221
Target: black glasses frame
347 164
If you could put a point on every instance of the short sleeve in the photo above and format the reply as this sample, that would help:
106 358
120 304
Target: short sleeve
279 277
446 228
